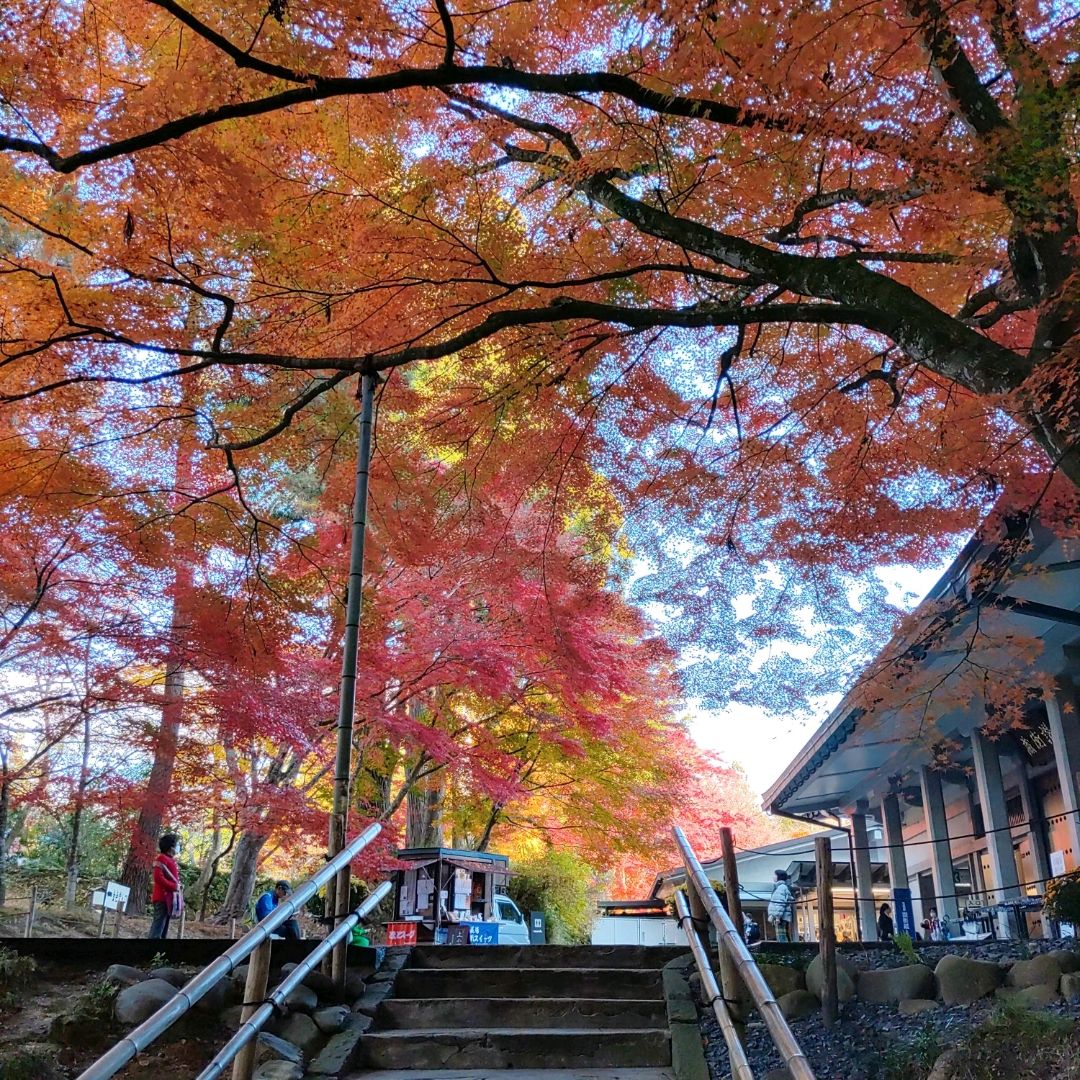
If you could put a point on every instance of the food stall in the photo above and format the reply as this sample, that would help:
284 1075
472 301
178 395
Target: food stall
447 896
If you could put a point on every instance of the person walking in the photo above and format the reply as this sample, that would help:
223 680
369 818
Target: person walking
782 906
166 887
270 900
885 927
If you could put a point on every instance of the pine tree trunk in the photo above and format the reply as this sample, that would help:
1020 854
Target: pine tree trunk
71 882
245 867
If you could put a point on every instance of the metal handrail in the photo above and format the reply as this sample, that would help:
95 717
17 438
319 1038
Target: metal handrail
737 1059
730 940
138 1039
250 1028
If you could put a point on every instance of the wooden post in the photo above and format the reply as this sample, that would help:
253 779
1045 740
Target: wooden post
121 911
101 921
31 913
183 920
254 993
729 976
731 880
232 928
341 898
826 930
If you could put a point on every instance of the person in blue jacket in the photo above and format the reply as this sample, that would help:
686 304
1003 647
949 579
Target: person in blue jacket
270 900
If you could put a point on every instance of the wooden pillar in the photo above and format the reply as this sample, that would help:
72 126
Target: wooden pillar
894 837
101 921
254 994
121 911
999 841
1065 735
826 930
731 880
937 831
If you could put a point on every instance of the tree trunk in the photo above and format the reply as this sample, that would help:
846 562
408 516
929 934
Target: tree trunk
424 821
5 802
144 840
140 856
245 866
71 882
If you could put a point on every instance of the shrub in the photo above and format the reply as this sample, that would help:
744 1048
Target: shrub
907 947
560 884
1062 902
29 1064
916 1058
16 972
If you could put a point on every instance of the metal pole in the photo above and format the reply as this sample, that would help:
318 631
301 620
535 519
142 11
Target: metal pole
337 897
31 913
141 1037
737 1060
782 1036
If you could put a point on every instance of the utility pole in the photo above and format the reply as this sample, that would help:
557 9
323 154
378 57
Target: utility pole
337 892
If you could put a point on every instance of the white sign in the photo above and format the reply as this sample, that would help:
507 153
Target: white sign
1057 863
114 896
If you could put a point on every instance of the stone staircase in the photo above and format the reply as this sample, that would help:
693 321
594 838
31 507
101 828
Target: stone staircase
553 1012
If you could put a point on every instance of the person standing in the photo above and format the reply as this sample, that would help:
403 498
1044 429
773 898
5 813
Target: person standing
166 886
782 906
270 900
885 927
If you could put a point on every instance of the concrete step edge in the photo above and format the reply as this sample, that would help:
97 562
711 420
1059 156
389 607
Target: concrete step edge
399 1033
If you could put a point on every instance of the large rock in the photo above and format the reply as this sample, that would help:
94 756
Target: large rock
278 1070
961 980
782 978
896 984
324 987
331 1019
172 975
354 984
1038 996
798 1003
914 1006
1044 970
298 1029
845 979
947 1065
302 999
271 1048
1070 988
122 975
135 1003
217 999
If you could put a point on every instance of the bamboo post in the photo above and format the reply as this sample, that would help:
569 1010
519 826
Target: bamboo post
337 893
101 921
731 880
826 930
31 913
782 1036
740 1066
258 976
121 911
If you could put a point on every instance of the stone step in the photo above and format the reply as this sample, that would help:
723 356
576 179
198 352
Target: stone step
509 1048
399 1013
543 956
514 1074
621 983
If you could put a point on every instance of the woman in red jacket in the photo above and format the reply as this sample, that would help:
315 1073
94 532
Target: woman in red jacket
166 884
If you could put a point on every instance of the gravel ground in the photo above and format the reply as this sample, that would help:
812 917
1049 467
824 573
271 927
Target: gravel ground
858 1047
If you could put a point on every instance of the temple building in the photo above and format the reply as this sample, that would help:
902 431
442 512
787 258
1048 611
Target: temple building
976 811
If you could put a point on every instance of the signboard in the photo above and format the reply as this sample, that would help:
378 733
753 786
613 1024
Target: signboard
457 935
483 933
537 928
114 897
401 933
903 913
1057 863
